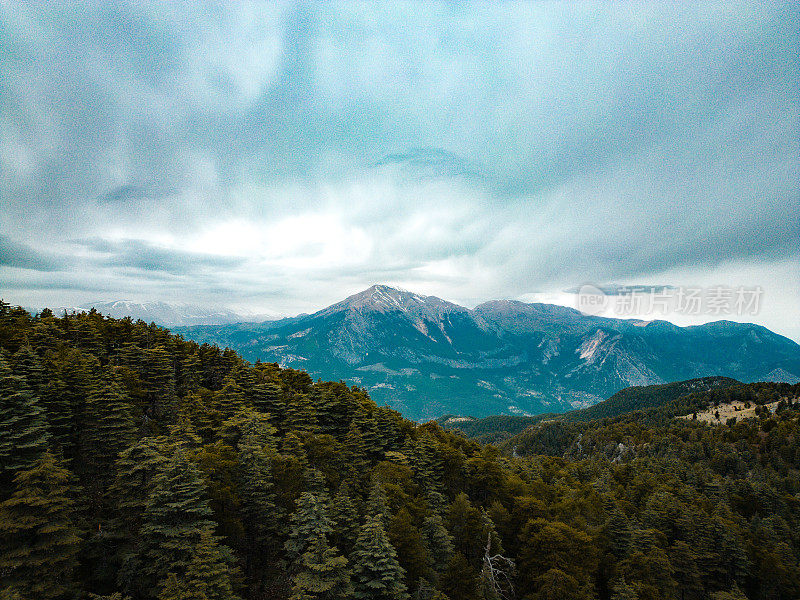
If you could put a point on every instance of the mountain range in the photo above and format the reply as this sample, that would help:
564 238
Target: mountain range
428 357
164 313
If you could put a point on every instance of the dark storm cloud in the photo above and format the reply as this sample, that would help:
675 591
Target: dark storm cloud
20 256
137 254
486 149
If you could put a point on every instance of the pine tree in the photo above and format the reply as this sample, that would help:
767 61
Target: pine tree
55 404
158 379
376 574
9 593
248 422
555 583
684 563
387 424
263 518
23 428
460 578
332 408
28 366
322 573
376 505
109 427
427 464
137 469
344 514
412 555
438 541
354 457
190 376
183 434
173 589
618 532
365 423
314 481
175 518
309 519
78 372
230 399
470 528
301 415
38 541
622 591
291 445
268 399
246 378
207 575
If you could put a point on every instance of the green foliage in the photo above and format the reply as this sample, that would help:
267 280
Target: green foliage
38 540
175 521
376 573
187 464
108 429
309 520
23 428
322 573
207 575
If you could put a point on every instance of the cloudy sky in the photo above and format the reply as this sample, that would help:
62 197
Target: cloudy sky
279 157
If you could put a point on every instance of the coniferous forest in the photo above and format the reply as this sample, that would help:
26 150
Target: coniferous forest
136 464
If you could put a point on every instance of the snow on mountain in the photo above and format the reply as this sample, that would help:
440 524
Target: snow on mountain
427 357
167 313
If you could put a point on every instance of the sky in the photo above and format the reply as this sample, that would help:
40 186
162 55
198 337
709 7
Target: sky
278 157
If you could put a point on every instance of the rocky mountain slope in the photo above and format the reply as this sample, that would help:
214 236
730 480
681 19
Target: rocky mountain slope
427 357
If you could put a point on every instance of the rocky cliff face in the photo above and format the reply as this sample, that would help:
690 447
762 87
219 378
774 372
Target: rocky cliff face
427 357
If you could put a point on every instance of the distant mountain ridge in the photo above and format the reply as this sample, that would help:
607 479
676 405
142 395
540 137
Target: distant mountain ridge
428 357
165 313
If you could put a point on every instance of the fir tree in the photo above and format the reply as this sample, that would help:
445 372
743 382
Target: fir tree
109 427
23 428
438 541
376 505
301 415
376 574
158 379
38 541
207 575
309 519
176 517
322 573
230 399
412 554
28 366
344 514
268 399
622 591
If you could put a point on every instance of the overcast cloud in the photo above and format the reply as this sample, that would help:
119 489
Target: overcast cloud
279 157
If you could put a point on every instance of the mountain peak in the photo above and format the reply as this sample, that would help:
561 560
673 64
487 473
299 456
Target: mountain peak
384 298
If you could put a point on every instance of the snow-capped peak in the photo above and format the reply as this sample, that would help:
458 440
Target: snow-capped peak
384 298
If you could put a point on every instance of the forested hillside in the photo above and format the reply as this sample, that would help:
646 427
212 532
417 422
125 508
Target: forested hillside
136 464
499 428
